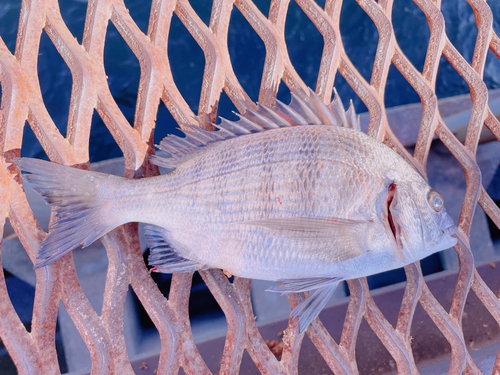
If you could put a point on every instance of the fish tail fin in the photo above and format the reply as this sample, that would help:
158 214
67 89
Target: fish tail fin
79 205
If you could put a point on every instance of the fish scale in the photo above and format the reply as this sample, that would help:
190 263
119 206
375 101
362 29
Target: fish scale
267 197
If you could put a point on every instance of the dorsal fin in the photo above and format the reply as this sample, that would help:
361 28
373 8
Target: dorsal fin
299 112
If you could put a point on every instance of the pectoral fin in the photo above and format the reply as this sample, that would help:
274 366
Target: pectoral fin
324 239
162 256
309 224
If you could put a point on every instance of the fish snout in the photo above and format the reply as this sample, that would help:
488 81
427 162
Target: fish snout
446 224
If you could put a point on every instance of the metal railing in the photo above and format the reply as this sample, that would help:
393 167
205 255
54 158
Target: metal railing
34 352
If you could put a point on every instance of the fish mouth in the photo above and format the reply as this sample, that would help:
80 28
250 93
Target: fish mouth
450 231
446 224
447 241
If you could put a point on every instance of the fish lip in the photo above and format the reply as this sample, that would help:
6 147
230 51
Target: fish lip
449 240
451 230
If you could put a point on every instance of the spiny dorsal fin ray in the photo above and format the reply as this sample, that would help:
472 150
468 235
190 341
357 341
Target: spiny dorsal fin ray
247 122
304 110
289 114
236 127
321 110
271 116
299 112
352 119
337 109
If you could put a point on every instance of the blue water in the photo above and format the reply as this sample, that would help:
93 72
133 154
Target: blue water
247 51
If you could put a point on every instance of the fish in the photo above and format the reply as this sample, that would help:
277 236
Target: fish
295 194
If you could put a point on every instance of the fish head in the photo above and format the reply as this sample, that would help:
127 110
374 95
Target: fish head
418 220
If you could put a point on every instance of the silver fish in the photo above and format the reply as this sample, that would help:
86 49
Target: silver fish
295 194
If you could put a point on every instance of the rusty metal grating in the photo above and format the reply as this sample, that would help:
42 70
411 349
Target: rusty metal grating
34 352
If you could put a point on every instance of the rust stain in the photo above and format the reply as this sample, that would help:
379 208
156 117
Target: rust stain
34 352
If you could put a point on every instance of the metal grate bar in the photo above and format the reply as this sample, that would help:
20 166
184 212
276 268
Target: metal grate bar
34 351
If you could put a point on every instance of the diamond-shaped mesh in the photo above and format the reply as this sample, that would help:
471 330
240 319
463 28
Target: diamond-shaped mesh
35 352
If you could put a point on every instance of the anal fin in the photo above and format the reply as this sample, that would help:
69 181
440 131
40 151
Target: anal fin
162 256
322 289
310 308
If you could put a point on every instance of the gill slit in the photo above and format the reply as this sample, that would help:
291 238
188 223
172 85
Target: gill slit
390 196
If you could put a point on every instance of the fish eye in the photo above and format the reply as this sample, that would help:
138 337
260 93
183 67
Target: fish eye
435 200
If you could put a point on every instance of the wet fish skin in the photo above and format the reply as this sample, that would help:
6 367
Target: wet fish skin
297 204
